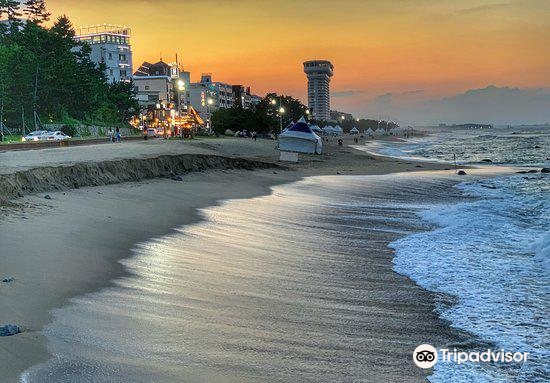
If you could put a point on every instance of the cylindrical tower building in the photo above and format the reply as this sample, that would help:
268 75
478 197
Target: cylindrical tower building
318 74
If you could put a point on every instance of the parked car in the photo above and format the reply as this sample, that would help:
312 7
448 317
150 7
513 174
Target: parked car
56 136
151 132
37 135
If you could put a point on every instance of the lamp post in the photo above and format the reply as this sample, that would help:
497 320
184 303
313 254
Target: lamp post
281 111
180 88
208 103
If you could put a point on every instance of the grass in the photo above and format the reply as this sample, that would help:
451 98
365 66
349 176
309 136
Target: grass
11 139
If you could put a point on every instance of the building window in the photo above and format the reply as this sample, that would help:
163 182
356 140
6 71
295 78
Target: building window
146 87
110 56
122 57
123 73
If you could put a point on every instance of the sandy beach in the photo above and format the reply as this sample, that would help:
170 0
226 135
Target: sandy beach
70 244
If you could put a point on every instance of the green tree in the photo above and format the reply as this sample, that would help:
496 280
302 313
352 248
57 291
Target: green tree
48 71
238 119
36 11
122 96
10 8
272 102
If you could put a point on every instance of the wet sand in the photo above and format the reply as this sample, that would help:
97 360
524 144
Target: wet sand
70 244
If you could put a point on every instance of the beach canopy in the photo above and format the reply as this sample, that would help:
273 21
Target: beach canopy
396 131
315 128
332 130
300 138
369 132
339 129
288 126
354 130
380 132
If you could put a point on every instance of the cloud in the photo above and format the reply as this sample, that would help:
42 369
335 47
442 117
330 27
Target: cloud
485 8
498 105
347 93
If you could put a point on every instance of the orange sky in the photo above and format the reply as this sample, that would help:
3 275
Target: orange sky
440 46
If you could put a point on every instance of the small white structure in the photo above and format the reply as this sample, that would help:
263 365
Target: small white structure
354 131
328 130
380 132
316 129
369 132
339 129
300 138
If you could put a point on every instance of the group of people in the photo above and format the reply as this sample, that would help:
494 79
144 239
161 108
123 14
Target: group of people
114 136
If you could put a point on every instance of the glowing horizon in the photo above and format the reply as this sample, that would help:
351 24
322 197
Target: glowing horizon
438 47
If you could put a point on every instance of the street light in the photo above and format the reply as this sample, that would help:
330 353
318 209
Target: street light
208 103
181 85
281 111
273 101
343 117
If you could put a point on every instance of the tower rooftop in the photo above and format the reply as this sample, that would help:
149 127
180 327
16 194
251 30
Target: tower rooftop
319 67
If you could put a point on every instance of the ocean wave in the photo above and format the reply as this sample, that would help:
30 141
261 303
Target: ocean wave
487 253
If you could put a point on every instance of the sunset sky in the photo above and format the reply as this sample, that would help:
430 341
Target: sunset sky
425 48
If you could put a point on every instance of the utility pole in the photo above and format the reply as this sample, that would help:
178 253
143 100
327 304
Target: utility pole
22 121
34 95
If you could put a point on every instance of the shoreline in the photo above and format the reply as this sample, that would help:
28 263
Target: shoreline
53 288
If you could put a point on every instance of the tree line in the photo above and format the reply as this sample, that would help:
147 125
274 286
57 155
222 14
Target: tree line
265 117
47 71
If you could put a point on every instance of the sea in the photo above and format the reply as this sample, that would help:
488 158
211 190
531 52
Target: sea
492 253
278 288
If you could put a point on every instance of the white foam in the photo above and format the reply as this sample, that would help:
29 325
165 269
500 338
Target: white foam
483 253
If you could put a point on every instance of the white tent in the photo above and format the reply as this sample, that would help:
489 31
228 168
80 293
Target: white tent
354 131
395 131
380 132
339 129
315 128
329 130
301 139
369 132
288 126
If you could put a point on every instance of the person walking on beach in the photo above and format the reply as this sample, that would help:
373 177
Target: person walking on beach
118 137
110 134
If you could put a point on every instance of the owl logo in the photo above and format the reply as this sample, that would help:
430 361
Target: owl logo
425 356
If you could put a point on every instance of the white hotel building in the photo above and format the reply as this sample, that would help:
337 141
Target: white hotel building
318 74
111 45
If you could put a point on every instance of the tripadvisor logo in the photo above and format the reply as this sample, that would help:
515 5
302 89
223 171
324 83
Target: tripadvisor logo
425 356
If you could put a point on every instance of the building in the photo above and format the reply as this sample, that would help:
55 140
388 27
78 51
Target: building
110 45
207 96
318 74
153 90
179 80
163 92
242 97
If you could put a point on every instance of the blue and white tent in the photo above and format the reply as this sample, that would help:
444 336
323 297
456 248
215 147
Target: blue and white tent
315 129
354 131
301 139
288 126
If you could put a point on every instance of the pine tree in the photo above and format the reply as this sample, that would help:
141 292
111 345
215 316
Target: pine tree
12 8
36 11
